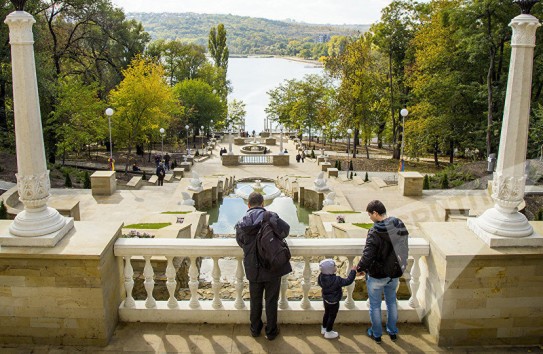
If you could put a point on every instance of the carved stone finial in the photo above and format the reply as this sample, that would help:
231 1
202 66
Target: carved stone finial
525 5
19 4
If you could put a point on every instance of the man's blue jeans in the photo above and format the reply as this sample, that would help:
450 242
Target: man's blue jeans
376 287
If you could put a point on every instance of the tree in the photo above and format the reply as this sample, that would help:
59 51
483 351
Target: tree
200 102
78 115
181 61
219 52
143 102
236 114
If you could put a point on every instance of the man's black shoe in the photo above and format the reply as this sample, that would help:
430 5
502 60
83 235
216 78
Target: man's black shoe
256 333
393 337
370 334
272 336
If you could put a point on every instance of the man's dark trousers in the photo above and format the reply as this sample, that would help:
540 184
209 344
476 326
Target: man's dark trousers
256 290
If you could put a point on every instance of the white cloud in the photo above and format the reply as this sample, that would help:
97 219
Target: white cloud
314 11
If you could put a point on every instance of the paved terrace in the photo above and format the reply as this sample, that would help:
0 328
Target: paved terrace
207 338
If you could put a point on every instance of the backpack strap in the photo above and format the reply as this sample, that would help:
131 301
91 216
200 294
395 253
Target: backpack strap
266 216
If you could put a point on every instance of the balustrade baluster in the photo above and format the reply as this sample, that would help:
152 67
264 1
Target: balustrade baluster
240 274
193 284
306 285
171 283
217 285
283 302
414 283
349 302
128 283
149 283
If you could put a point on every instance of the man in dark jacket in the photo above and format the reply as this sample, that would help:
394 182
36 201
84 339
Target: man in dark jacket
378 248
261 279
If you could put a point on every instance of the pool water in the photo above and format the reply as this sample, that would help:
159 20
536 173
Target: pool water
223 218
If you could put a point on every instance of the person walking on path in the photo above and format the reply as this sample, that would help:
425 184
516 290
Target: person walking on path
331 285
167 162
260 279
377 254
160 172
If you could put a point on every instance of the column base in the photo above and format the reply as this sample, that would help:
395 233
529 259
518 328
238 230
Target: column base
47 240
498 229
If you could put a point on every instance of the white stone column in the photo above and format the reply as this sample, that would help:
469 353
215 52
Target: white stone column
33 177
503 225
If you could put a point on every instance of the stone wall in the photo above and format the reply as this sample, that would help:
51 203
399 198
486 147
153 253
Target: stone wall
66 295
230 160
476 295
281 160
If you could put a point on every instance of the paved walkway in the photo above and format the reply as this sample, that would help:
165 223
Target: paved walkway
207 338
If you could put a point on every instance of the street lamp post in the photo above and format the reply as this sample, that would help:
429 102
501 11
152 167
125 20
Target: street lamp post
187 129
109 113
202 136
162 136
349 132
404 112
230 152
211 127
281 151
323 136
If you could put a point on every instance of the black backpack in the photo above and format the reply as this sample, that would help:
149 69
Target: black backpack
272 251
396 262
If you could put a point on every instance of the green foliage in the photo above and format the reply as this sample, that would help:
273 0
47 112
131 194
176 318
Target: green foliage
366 177
444 181
338 165
148 226
143 102
312 155
68 181
351 165
176 212
86 181
364 225
200 102
144 176
247 35
539 216
3 211
426 182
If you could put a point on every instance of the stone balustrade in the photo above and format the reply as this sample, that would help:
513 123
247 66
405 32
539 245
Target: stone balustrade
219 310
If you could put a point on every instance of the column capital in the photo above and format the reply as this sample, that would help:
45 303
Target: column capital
20 27
524 27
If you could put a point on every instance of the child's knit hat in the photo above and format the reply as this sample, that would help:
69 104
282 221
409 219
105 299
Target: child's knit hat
327 266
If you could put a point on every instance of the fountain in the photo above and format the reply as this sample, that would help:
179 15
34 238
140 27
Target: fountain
268 191
195 183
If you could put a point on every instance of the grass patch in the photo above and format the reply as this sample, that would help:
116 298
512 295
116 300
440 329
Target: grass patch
176 212
364 225
345 212
149 225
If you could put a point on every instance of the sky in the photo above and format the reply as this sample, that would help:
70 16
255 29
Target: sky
314 11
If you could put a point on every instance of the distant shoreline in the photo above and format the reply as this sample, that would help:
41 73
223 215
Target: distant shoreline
312 62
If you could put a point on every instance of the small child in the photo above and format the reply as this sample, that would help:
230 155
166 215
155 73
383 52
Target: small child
331 285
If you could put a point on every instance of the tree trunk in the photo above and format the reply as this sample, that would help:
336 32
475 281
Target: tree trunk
451 148
436 160
367 150
355 140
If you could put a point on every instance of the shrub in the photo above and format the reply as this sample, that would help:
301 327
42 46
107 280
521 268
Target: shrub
339 165
445 181
144 176
426 182
86 180
539 216
68 181
3 211
351 165
366 177
312 153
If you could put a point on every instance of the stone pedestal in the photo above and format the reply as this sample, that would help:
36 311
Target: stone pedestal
178 172
239 141
264 134
333 172
410 183
103 183
325 166
270 141
281 160
64 295
188 159
476 295
185 166
230 160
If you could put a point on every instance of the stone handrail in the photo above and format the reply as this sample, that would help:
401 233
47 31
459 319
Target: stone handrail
221 310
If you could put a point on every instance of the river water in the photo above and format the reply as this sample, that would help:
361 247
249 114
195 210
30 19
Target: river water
252 77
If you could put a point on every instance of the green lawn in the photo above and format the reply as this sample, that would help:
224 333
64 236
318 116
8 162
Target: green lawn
150 225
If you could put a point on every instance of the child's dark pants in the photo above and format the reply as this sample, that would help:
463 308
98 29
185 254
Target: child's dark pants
330 313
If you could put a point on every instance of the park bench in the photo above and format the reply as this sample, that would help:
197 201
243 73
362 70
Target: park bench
135 182
379 182
333 172
178 172
153 179
168 178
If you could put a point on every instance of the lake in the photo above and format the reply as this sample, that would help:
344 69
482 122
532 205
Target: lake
252 77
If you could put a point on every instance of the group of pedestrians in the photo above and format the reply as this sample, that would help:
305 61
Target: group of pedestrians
377 252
